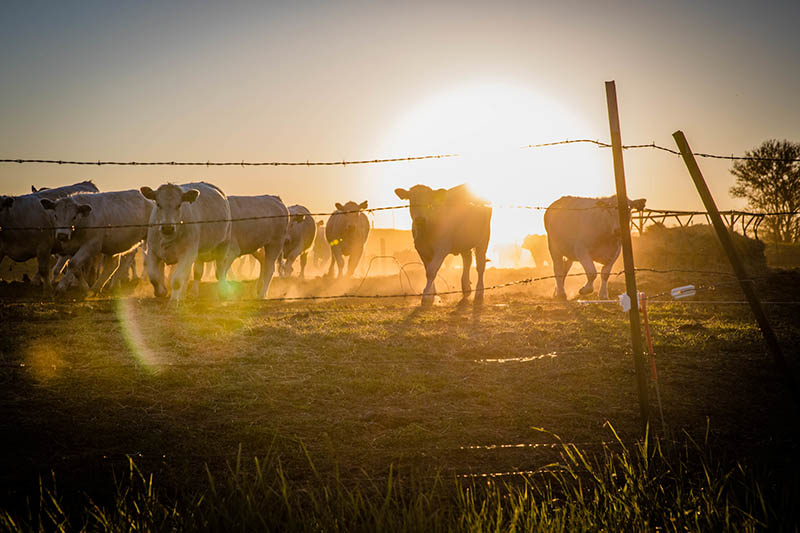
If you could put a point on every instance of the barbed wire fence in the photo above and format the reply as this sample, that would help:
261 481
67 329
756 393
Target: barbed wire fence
343 162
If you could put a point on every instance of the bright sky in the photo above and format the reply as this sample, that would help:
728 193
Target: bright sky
299 81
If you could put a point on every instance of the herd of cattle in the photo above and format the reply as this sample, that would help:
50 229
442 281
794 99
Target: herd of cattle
190 224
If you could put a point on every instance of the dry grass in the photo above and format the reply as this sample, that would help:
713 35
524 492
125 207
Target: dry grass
366 385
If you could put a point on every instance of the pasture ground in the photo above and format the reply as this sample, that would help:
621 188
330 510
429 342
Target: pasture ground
373 389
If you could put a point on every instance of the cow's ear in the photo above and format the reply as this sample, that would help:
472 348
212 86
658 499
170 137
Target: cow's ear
84 209
638 204
47 204
33 189
339 206
6 201
401 193
148 193
363 205
190 195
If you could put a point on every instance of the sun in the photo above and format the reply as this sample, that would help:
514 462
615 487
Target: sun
488 124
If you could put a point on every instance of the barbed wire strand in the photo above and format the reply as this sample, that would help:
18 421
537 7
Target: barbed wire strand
646 212
309 163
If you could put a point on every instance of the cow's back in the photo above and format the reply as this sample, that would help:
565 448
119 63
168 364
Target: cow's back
60 192
269 221
128 210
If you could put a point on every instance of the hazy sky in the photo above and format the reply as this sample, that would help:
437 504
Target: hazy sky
300 81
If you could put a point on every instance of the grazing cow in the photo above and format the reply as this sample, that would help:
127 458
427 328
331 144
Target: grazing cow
79 222
176 235
322 250
537 246
299 239
448 221
346 232
585 230
38 242
260 237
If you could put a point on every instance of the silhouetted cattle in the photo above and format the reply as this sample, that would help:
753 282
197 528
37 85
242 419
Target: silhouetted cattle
451 221
584 230
346 232
301 235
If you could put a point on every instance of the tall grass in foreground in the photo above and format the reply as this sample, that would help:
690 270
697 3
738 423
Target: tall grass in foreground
649 486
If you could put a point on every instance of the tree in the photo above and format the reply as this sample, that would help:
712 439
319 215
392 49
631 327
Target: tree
771 184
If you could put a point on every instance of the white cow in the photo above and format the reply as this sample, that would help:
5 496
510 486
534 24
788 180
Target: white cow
449 221
301 235
262 236
584 230
347 232
80 224
177 236
37 242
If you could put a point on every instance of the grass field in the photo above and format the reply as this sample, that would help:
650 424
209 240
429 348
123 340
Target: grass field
396 413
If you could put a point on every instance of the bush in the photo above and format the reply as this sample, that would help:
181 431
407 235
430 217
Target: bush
695 247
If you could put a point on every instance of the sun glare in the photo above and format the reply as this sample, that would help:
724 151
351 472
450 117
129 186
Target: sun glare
488 124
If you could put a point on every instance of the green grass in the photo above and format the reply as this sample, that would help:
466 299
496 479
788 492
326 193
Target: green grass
651 485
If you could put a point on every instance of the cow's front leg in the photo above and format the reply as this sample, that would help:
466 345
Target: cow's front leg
43 259
180 277
431 269
480 266
155 273
605 273
110 264
466 259
336 259
224 261
352 263
75 273
271 254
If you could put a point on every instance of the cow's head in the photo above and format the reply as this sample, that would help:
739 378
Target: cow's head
423 202
168 198
66 214
351 212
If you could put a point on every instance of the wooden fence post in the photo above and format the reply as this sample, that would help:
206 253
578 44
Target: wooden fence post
738 268
627 251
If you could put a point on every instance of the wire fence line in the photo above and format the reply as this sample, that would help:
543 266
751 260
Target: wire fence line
524 281
645 212
343 162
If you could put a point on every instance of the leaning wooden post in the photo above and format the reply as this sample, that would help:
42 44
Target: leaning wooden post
627 251
738 268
